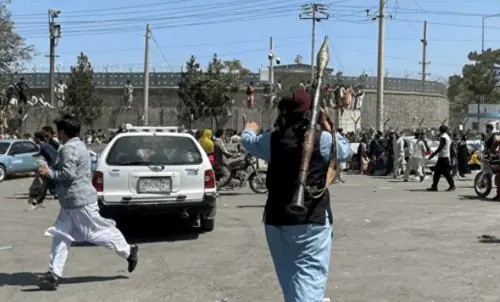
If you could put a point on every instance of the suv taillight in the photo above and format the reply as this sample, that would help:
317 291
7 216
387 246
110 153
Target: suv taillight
98 181
209 179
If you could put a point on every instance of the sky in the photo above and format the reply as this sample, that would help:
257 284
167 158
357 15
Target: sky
112 33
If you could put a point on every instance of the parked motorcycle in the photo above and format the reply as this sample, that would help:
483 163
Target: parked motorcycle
244 170
483 183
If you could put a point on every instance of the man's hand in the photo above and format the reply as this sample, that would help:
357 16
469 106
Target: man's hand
254 126
43 170
324 122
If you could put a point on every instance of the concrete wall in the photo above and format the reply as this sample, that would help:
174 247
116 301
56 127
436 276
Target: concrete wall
400 107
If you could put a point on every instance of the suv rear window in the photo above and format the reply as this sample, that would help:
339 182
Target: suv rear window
153 150
4 147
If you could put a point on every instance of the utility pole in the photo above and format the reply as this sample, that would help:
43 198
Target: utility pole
316 12
271 67
55 33
424 57
380 71
146 77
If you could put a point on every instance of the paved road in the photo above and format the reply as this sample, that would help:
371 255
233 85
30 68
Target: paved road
393 242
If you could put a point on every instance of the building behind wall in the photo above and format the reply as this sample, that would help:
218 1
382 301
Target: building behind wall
488 113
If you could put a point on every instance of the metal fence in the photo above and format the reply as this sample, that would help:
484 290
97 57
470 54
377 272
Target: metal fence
171 79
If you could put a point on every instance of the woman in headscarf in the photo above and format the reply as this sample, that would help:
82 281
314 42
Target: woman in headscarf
463 155
207 144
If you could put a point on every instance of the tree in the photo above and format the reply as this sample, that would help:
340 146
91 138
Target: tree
208 93
478 80
81 101
189 91
13 48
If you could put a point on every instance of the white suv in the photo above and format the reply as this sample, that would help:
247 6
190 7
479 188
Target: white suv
156 171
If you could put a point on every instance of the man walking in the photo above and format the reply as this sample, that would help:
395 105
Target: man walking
416 158
79 218
340 167
300 246
443 164
399 154
40 185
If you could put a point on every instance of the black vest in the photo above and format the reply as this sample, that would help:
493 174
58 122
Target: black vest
489 142
282 179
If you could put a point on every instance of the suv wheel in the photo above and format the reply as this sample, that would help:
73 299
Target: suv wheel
207 225
3 173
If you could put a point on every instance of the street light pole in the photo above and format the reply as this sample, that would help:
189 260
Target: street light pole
484 18
481 98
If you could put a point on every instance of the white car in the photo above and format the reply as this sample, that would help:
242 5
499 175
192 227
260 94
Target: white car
156 171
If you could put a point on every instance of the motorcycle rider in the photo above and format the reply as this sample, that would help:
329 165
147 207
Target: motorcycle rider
222 159
491 144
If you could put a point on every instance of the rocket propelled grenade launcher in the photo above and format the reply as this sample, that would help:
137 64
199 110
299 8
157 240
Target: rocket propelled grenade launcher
297 206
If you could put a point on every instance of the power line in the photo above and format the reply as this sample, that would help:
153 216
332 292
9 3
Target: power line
419 6
161 51
164 25
236 6
191 45
203 15
102 9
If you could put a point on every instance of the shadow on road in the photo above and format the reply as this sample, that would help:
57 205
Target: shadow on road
153 229
418 190
233 193
28 279
157 229
251 206
496 240
486 238
475 197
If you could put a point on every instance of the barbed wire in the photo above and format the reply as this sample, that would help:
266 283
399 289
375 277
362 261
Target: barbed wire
165 110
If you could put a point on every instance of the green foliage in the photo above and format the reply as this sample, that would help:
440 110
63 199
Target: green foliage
208 93
80 99
478 79
13 49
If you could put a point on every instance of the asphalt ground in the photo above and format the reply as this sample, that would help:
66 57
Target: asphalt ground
393 242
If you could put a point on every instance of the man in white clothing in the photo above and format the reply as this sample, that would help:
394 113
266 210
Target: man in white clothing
60 91
399 154
416 158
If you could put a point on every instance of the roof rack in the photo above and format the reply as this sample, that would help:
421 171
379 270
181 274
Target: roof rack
130 128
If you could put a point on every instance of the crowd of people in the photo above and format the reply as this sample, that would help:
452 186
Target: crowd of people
95 137
398 155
